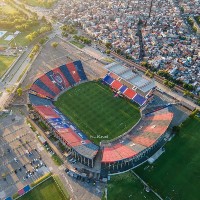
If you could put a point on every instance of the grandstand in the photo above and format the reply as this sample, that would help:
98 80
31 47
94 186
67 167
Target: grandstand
119 155
53 82
124 90
130 78
41 94
137 145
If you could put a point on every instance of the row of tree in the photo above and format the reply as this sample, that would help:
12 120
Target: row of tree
191 22
83 39
34 34
70 29
40 3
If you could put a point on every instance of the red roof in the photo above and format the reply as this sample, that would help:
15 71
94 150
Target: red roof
113 75
116 153
110 155
155 129
129 93
165 116
124 151
116 84
71 138
143 141
47 112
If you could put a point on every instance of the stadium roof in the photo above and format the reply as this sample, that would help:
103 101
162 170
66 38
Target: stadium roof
138 81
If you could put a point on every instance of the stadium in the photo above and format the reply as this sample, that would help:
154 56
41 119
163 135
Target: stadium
142 135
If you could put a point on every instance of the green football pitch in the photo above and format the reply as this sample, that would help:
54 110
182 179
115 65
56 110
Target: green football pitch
94 109
47 190
176 174
127 186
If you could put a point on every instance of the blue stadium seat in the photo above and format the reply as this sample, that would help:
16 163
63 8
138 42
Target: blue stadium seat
35 100
80 70
67 74
123 88
108 79
27 188
40 84
8 198
139 99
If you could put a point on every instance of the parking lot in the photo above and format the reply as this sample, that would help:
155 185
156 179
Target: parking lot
20 159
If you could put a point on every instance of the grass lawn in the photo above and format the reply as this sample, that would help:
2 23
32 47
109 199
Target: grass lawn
78 44
94 109
48 190
7 9
5 63
108 60
127 186
21 40
57 159
176 174
39 3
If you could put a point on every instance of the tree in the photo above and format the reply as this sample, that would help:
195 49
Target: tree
108 51
118 51
108 45
19 91
54 44
176 129
64 34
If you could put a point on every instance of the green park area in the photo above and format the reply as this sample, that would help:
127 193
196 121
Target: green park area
40 3
128 186
5 63
78 44
175 175
13 17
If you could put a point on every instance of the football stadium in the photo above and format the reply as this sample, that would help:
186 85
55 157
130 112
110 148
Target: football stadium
103 120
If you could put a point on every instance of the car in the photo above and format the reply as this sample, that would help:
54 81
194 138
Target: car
66 170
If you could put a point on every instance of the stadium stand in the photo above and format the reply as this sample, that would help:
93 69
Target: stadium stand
40 91
44 87
140 82
137 145
123 89
73 72
67 74
127 92
47 81
79 69
108 79
60 78
84 150
116 85
118 155
36 101
139 99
